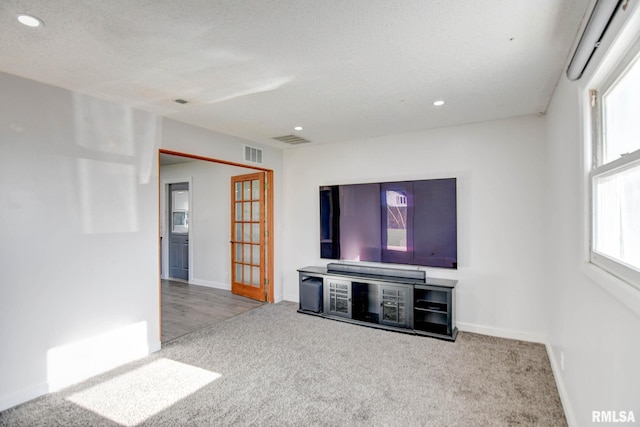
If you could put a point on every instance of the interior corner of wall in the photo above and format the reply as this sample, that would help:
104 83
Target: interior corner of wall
562 390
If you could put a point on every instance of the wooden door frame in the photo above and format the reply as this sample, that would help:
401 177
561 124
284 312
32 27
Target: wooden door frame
269 259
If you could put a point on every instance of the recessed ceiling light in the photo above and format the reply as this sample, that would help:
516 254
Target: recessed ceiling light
29 20
298 128
438 102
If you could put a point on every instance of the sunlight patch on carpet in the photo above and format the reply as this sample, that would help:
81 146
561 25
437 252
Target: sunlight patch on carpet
132 398
76 361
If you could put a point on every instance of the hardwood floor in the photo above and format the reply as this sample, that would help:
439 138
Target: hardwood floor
187 308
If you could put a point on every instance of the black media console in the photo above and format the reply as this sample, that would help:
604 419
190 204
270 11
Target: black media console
388 298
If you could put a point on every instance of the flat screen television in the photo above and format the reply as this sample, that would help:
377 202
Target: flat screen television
407 222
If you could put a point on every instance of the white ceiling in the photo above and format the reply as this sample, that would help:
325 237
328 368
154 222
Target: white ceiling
342 69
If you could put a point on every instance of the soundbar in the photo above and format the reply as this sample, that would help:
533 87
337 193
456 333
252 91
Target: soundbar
334 267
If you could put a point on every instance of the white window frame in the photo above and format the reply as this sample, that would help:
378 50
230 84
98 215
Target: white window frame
617 268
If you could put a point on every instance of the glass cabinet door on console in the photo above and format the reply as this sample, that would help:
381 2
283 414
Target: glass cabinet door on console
395 305
337 297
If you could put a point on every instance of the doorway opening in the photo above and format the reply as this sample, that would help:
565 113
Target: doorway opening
177 189
178 230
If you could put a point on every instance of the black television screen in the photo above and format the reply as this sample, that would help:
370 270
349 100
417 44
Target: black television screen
408 222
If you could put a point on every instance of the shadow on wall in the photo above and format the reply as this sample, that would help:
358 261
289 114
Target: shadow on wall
107 190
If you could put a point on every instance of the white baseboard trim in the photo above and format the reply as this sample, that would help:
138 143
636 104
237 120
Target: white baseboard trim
210 284
562 391
155 346
290 298
502 333
24 395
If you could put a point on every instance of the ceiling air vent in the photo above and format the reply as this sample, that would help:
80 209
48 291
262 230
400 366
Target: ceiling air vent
252 154
291 139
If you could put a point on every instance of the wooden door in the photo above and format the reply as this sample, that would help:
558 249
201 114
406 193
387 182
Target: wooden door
248 236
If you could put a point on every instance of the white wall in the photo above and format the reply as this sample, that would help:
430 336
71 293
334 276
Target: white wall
209 219
595 320
502 287
79 255
79 224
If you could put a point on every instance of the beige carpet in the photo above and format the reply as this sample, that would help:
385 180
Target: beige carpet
273 366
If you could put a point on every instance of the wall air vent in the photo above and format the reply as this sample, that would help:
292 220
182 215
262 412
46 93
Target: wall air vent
252 154
291 139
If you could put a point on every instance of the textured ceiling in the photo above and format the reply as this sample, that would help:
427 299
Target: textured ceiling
342 69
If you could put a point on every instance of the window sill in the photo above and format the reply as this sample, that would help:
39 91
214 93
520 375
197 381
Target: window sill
622 291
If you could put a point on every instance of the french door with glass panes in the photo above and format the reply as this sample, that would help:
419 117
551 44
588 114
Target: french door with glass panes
248 235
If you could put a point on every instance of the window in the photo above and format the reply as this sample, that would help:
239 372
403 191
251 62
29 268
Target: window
615 172
179 210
